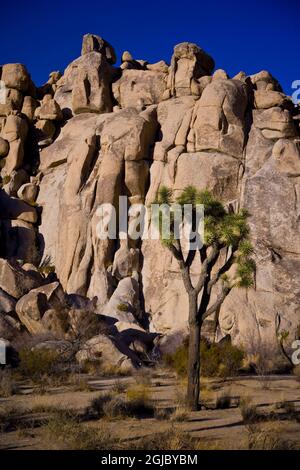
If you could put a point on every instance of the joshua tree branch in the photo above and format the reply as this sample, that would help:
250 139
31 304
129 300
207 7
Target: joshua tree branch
225 291
221 271
185 271
206 265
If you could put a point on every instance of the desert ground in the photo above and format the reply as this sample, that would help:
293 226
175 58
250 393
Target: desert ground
245 412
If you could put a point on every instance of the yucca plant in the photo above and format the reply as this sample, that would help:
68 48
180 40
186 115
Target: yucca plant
223 231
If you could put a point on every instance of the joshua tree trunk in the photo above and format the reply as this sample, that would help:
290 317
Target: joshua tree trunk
194 354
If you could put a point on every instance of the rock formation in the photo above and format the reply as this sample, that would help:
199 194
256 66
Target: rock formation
99 131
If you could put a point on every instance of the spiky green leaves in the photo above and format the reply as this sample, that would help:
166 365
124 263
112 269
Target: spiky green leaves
164 196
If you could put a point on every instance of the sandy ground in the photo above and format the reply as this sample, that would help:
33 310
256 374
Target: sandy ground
218 428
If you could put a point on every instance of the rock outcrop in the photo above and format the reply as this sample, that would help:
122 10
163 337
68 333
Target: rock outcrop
98 132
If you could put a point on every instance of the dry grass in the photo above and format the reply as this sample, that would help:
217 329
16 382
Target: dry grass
96 407
180 396
136 403
78 383
267 437
7 384
143 377
64 431
171 439
118 386
96 367
162 414
296 372
248 410
179 415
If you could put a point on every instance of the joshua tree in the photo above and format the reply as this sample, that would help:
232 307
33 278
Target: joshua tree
225 260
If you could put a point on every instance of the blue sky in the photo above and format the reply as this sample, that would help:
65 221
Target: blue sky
248 36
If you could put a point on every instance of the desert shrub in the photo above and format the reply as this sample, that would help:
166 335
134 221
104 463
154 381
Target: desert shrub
7 385
65 431
118 386
267 438
290 409
96 406
122 307
248 410
138 401
34 364
78 383
179 415
143 376
91 367
180 396
162 414
220 359
6 179
135 404
138 393
178 360
115 408
171 439
216 359
7 413
223 402
46 267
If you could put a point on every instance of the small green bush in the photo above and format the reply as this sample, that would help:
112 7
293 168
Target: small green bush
6 179
135 404
179 359
122 307
34 364
216 359
46 267
220 359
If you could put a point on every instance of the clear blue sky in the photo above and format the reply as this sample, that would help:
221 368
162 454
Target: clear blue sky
248 36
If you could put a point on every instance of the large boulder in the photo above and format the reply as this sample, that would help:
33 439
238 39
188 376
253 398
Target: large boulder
7 302
109 352
275 123
15 132
13 208
85 85
138 88
219 118
32 307
19 241
80 185
94 43
189 63
15 281
15 76
124 303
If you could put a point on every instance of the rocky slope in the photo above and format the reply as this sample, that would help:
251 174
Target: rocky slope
100 131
